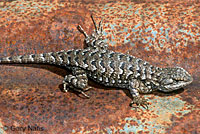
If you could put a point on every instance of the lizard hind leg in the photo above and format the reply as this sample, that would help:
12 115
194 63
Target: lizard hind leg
95 40
83 31
99 29
78 81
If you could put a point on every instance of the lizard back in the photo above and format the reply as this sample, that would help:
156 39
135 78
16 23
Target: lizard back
104 66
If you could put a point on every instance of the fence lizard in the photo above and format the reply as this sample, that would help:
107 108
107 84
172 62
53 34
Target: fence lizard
109 68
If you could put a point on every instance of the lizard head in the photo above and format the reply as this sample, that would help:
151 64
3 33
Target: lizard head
172 79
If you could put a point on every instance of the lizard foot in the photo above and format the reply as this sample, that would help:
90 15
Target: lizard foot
82 91
139 102
87 88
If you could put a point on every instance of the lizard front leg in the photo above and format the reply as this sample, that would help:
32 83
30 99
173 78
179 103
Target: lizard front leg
78 81
137 99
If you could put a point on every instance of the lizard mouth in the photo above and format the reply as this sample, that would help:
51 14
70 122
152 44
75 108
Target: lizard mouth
177 84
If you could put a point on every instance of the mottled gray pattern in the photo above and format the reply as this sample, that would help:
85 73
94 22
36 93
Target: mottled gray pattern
109 68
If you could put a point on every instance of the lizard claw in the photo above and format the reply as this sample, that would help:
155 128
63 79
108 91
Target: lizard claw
84 94
84 90
81 92
82 31
139 102
87 88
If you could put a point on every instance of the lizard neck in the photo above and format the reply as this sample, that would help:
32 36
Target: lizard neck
155 80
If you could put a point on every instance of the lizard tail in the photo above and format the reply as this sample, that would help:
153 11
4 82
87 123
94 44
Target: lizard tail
50 58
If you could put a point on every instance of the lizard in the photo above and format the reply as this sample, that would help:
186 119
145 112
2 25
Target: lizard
109 68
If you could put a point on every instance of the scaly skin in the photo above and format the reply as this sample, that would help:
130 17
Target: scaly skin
109 68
